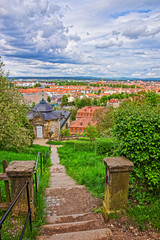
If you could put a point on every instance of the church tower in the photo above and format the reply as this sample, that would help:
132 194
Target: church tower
102 82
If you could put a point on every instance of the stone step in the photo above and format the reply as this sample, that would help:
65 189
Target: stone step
69 218
56 180
97 234
50 229
51 191
57 169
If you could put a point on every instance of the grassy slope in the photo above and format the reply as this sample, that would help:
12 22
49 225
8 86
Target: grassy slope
88 169
10 229
85 168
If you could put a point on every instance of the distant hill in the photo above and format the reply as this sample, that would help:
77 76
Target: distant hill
81 78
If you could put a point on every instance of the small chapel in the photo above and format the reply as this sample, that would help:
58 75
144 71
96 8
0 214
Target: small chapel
46 122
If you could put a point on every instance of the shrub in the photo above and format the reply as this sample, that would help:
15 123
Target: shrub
65 132
55 143
70 142
137 128
83 139
91 132
104 145
82 146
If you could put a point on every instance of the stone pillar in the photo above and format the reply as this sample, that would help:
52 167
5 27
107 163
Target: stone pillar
19 172
116 183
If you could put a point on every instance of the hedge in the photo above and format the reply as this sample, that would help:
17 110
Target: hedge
83 146
104 145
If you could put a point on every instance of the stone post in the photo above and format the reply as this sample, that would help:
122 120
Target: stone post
19 172
116 183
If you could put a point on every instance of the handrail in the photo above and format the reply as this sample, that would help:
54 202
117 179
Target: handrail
12 205
43 163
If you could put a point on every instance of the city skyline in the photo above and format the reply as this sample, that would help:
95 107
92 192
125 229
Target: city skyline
85 38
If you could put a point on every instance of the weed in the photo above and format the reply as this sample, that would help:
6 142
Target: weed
113 215
97 210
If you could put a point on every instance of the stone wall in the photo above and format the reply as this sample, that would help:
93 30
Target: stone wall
47 127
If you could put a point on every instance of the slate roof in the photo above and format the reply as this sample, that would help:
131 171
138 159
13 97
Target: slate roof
42 106
64 116
45 110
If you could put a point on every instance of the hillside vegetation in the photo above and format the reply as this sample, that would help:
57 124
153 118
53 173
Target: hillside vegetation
135 133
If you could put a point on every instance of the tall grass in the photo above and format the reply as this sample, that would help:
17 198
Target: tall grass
85 167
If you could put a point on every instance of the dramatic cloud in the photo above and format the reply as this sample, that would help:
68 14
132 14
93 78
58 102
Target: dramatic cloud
70 38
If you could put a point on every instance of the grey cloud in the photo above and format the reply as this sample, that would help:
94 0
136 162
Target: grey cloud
134 32
75 38
115 33
140 31
109 44
140 53
32 25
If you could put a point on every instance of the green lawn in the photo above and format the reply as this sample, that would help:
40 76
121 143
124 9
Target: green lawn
9 229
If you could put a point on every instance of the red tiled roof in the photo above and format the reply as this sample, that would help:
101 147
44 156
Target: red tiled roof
82 123
89 109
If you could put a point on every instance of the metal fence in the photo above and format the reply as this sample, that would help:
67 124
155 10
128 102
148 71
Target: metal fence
38 170
12 205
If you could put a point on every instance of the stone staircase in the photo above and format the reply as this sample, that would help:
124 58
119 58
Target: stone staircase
69 209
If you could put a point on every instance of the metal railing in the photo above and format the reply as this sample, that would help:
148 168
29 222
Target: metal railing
43 162
12 205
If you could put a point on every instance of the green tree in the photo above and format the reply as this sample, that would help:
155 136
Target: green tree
95 101
65 132
91 132
37 85
64 100
14 125
104 120
77 102
48 99
73 113
99 91
104 100
32 105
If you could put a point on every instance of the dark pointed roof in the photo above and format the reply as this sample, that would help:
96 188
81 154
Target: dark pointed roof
45 110
42 106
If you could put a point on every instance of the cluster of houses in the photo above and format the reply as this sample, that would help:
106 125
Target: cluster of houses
47 123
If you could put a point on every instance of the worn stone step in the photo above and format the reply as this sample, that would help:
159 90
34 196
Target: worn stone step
97 234
57 169
59 174
69 218
54 180
50 229
50 191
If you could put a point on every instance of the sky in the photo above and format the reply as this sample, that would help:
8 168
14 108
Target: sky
100 38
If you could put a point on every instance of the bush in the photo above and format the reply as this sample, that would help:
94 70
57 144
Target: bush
82 146
104 145
55 143
65 132
70 142
137 128
83 139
